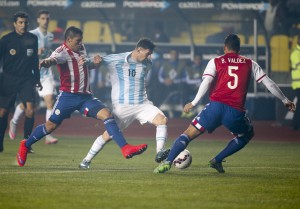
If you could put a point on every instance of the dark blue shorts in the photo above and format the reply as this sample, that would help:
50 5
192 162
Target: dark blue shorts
216 114
67 103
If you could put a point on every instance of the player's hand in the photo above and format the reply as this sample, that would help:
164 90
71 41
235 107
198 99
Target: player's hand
187 108
83 60
39 86
46 63
97 60
290 105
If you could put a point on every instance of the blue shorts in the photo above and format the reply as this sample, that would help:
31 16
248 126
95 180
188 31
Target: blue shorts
216 114
67 103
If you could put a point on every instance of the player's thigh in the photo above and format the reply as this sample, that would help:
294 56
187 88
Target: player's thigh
65 105
210 117
236 121
91 106
124 115
147 112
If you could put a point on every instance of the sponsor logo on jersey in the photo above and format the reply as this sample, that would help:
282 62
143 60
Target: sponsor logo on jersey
12 51
29 52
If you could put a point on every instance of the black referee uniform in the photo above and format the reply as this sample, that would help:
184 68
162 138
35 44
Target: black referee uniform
19 56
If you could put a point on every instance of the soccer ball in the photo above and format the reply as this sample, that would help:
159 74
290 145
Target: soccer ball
183 160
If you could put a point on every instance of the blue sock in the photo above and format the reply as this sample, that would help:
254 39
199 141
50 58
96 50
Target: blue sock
114 131
38 133
233 146
178 146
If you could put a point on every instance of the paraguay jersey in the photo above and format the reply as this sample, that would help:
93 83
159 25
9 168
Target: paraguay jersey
44 41
232 75
74 78
128 78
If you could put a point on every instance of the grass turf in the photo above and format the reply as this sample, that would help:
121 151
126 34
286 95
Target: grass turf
263 175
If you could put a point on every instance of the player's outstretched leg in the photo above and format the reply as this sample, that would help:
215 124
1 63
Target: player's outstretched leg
22 153
129 150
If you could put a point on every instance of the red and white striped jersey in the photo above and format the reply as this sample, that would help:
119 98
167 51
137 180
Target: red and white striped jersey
232 75
74 78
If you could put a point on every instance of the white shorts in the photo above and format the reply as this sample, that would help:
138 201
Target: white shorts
126 114
48 87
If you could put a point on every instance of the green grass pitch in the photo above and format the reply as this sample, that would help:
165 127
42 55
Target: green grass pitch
263 175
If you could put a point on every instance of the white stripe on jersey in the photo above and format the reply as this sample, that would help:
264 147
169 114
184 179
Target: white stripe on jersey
128 79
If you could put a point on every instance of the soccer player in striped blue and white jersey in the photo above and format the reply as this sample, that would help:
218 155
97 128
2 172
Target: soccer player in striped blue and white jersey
128 73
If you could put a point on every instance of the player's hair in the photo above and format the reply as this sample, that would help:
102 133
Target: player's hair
20 14
72 31
145 43
232 42
42 12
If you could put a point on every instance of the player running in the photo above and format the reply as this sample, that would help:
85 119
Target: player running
129 98
71 60
228 78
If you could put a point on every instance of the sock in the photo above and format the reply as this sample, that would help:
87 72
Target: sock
38 133
233 146
178 146
28 126
48 114
3 126
114 131
17 114
95 149
161 137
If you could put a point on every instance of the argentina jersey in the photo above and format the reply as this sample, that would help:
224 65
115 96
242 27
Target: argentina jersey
128 78
44 41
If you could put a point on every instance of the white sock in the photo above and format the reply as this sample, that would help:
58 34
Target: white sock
161 137
17 114
95 149
48 114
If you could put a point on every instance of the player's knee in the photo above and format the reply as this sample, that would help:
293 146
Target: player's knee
249 135
163 120
160 120
104 114
50 126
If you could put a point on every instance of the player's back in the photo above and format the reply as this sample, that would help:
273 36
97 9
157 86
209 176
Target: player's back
232 80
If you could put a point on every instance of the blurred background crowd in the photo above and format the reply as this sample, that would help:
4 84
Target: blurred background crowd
187 34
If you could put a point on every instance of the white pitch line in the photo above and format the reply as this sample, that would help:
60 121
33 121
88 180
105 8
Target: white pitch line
136 170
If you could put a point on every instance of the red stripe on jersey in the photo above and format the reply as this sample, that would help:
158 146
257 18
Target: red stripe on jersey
65 81
208 75
258 80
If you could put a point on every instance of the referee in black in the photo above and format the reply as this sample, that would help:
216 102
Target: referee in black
20 76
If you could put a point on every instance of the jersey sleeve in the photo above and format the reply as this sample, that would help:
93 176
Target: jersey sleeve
210 70
58 55
258 73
